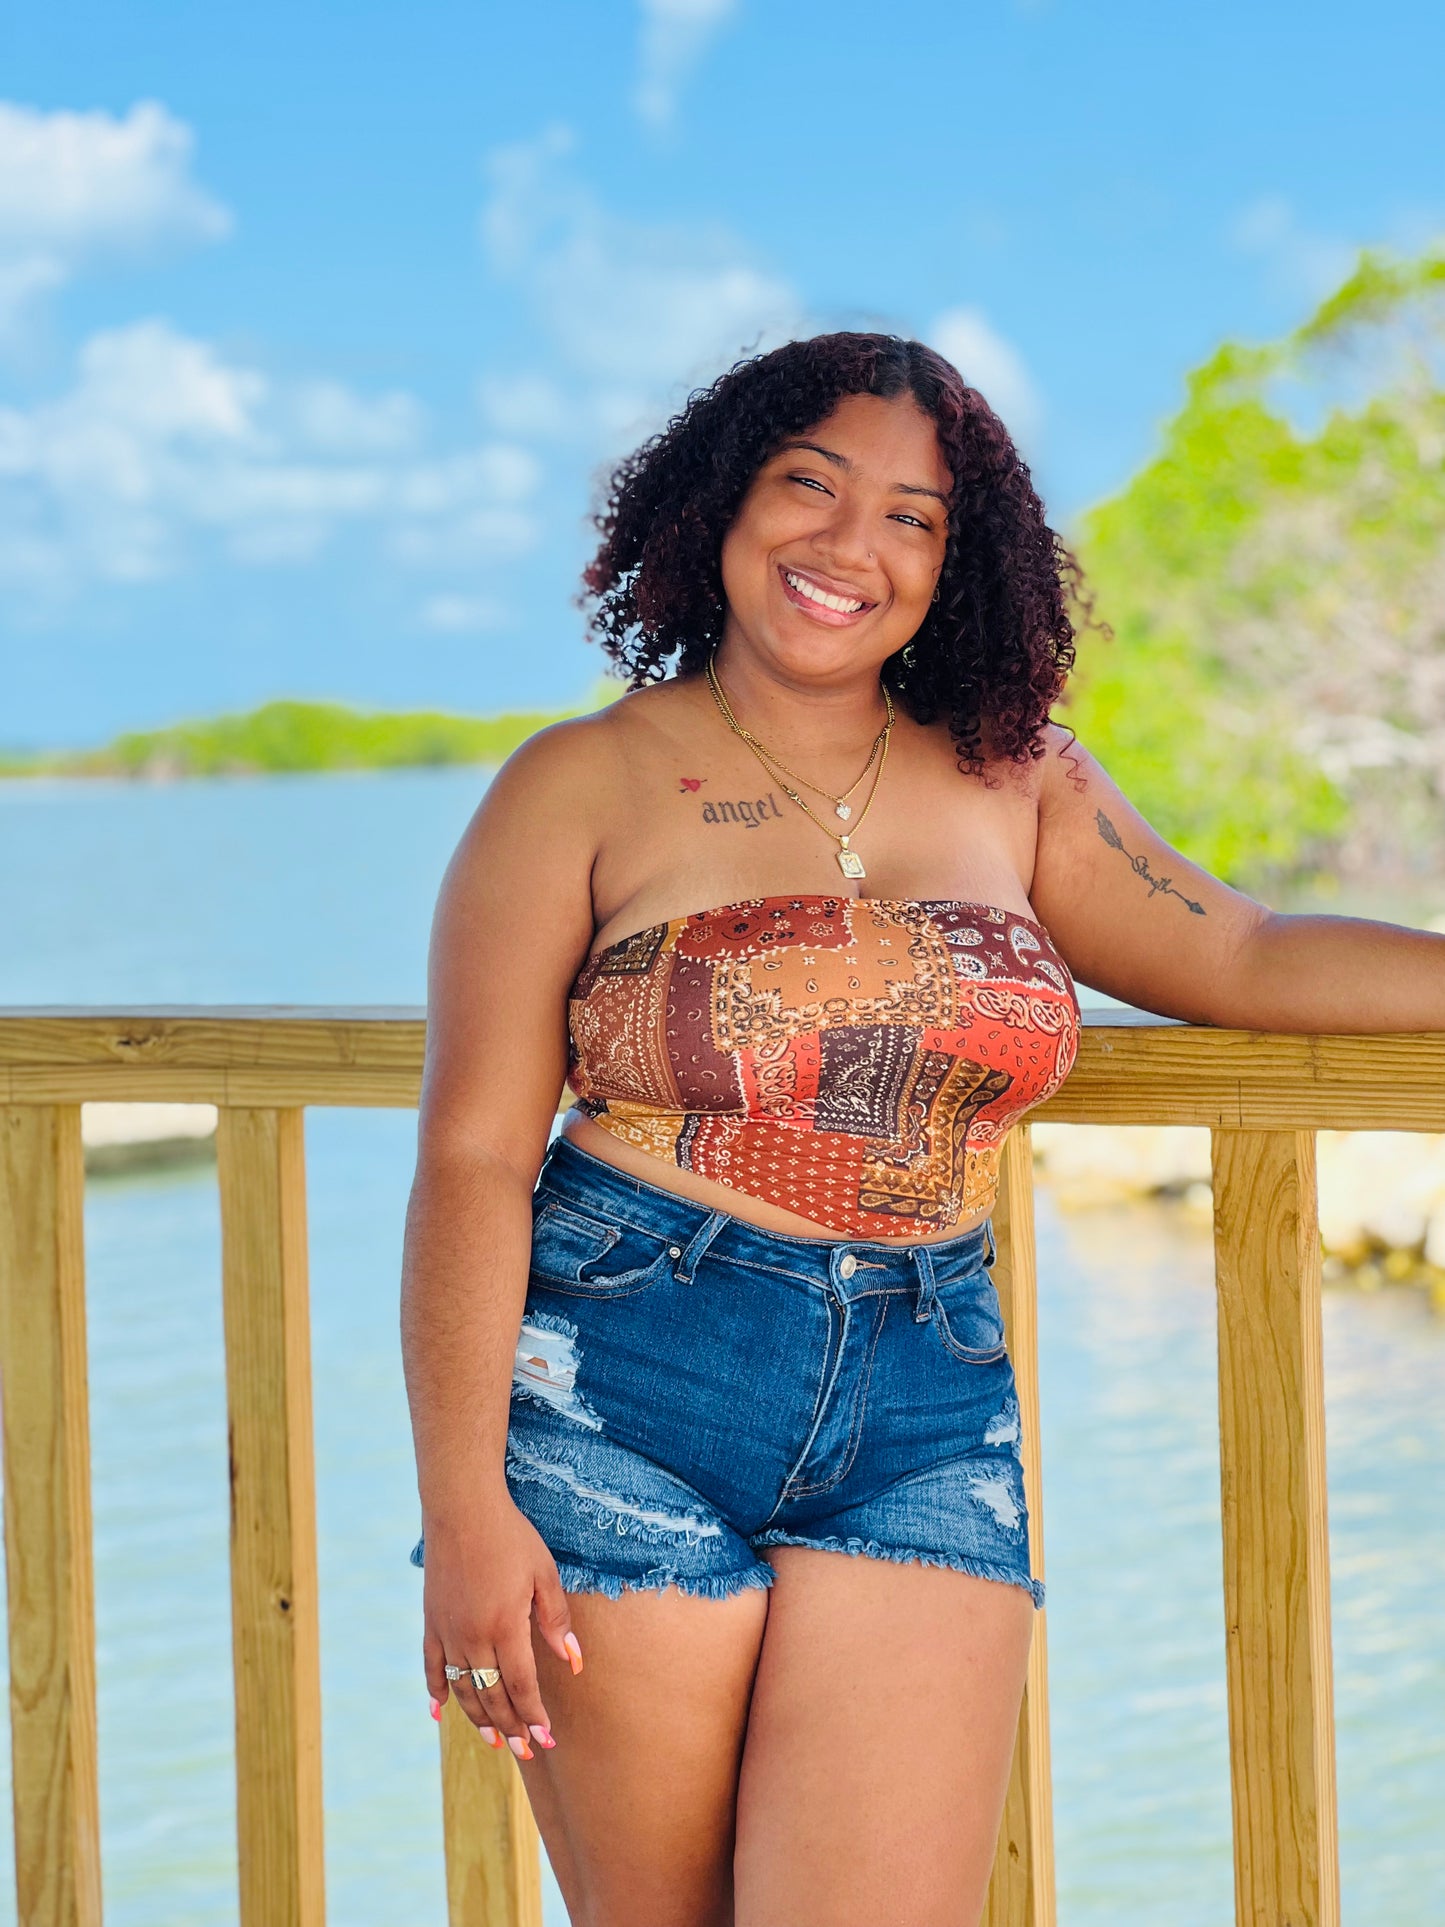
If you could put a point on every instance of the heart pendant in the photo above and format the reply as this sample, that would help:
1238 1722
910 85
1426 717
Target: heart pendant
845 810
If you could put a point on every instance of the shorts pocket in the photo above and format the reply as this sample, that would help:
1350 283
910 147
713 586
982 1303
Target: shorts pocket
968 1318
594 1256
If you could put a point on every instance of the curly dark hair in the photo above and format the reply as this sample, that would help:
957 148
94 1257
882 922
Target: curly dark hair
995 648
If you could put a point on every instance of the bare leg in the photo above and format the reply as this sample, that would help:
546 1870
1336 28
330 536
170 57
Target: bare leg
879 1743
636 1804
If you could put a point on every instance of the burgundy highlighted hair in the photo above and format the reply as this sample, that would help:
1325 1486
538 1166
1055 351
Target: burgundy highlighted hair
997 646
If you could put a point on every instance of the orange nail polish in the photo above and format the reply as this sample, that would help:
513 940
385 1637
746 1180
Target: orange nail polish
489 1734
519 1746
436 1709
574 1651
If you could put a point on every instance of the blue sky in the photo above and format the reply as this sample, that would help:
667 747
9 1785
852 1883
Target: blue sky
318 324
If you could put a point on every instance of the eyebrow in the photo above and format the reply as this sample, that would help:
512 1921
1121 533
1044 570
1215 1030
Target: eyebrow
842 461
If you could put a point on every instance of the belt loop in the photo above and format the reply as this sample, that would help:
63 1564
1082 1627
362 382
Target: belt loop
923 1264
692 1257
992 1246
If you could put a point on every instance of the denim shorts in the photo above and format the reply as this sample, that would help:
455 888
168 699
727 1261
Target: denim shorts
690 1388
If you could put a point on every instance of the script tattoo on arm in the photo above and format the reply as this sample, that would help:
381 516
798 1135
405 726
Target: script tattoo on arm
1140 865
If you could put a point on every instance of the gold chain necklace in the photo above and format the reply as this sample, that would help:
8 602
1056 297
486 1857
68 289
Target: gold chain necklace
841 805
849 861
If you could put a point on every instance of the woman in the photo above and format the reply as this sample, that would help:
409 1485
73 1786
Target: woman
714 1390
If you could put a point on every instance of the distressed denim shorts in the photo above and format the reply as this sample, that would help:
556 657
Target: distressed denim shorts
690 1389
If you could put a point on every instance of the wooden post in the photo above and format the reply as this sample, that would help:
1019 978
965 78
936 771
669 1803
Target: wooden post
1021 1892
47 1516
1276 1537
275 1638
494 1876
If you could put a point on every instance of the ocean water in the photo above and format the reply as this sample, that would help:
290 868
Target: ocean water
319 890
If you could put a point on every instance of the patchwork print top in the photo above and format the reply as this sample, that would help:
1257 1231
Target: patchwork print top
857 1061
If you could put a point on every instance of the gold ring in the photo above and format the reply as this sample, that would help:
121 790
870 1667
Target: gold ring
484 1677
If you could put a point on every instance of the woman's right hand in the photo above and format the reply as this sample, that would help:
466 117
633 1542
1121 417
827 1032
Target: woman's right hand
483 1581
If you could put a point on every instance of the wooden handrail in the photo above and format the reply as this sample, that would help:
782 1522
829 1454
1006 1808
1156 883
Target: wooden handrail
1130 1069
1262 1094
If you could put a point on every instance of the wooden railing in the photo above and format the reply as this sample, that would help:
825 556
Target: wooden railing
1263 1096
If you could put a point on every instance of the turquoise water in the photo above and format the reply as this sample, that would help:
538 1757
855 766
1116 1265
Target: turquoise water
320 891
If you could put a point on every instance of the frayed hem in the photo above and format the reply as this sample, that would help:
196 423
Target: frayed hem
901 1555
721 1585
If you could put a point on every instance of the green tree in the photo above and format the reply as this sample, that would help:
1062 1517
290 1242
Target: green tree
1274 696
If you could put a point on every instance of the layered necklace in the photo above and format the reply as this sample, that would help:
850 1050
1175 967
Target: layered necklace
849 861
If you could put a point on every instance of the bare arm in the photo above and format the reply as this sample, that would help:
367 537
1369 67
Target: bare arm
513 923
1134 918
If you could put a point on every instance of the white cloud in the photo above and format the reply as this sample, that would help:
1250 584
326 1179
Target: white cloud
524 405
461 615
333 419
994 367
675 35
161 445
633 311
1302 265
162 450
77 190
462 538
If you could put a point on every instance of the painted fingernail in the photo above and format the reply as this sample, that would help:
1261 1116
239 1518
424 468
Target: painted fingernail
519 1746
436 1709
574 1651
490 1735
541 1735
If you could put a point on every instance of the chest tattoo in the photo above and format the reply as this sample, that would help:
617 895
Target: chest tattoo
751 812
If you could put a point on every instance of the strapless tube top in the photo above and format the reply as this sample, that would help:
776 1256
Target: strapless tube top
855 1060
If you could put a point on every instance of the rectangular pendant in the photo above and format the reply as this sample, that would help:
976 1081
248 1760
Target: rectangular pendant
851 864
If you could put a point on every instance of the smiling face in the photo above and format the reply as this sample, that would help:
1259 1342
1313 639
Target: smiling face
831 561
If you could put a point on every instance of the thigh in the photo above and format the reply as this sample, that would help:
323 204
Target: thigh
636 1803
879 1742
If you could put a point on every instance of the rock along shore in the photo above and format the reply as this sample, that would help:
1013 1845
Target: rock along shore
1381 1193
135 1137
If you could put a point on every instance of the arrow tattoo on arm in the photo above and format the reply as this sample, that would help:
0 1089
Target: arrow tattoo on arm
1140 865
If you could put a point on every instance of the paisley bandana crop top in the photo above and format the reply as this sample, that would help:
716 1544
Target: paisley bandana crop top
855 1060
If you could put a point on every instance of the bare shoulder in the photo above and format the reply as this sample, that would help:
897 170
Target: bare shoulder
601 744
652 716
556 765
554 801
1026 776
1064 771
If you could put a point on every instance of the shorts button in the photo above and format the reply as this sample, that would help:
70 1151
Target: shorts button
674 1251
847 1264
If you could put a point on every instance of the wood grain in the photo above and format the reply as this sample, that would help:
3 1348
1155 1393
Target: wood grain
264 1089
494 1876
1276 1538
47 1518
1131 1069
1253 1080
1021 1892
275 1638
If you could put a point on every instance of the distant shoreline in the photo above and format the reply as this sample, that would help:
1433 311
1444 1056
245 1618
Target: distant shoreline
293 737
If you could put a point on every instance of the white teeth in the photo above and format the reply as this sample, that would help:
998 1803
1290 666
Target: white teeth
815 594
